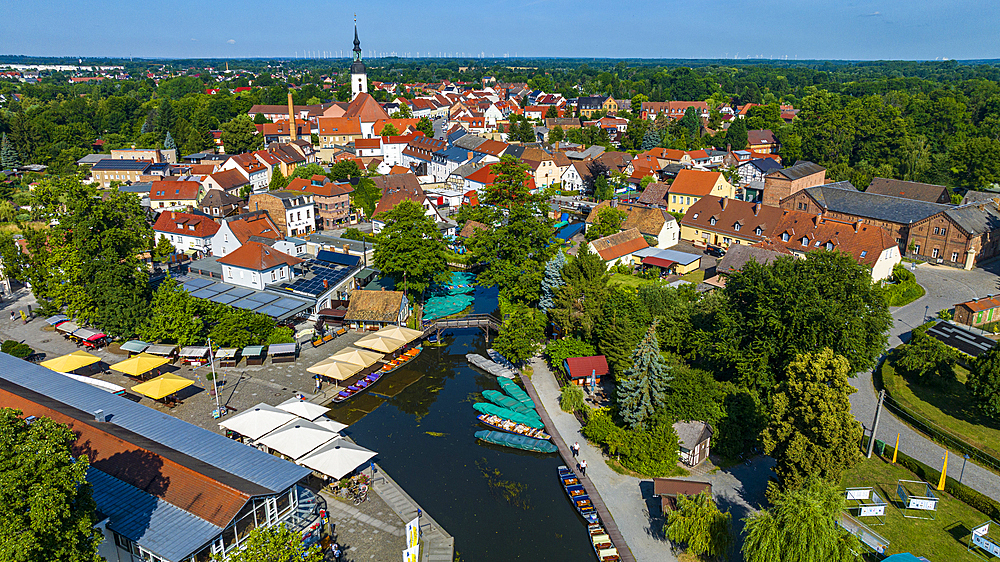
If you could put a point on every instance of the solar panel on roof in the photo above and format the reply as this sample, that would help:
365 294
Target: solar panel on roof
246 304
239 292
204 293
262 298
337 258
196 283
224 298
273 311
287 303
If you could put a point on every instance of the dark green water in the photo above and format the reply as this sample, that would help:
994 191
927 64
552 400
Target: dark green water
498 503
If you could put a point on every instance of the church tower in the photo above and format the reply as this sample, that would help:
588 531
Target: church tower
359 80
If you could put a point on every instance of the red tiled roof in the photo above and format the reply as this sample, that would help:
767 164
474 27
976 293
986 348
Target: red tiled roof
695 182
229 179
339 126
368 144
328 189
174 190
257 224
365 108
258 257
582 367
619 244
185 223
486 176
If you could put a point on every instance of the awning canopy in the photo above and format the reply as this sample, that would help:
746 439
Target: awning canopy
335 369
356 356
257 421
70 362
297 438
163 385
337 458
163 350
332 425
57 319
194 351
253 351
303 409
88 334
134 346
658 262
139 364
380 343
67 327
281 348
227 353
399 333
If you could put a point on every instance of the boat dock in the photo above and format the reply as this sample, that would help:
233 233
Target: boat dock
489 366
436 545
602 510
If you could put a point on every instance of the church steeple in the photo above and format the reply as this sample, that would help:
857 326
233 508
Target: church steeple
359 78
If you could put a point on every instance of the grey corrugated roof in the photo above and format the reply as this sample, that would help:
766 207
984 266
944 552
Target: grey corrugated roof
765 165
469 142
976 218
235 458
114 164
842 197
801 169
979 196
152 523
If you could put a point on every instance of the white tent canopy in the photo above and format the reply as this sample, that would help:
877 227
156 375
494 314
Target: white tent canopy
399 333
297 438
303 409
335 426
337 458
258 421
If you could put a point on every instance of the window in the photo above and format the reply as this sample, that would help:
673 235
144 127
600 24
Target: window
689 201
916 249
696 215
675 199
758 231
711 221
298 216
737 227
943 231
274 276
954 256
935 253
864 253
936 229
829 246
784 237
805 241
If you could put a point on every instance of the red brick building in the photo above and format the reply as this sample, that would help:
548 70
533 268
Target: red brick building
779 184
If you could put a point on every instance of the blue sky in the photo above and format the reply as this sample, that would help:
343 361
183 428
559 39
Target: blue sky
803 29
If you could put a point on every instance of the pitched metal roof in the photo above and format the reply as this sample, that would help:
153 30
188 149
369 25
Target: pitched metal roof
801 169
976 218
842 197
150 522
213 449
116 164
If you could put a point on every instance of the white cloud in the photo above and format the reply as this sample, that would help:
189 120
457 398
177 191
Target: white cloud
231 41
193 39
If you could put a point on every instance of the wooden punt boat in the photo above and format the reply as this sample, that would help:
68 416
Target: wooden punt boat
500 424
578 495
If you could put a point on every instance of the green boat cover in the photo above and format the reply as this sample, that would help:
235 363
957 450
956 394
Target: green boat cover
487 408
515 392
516 441
501 399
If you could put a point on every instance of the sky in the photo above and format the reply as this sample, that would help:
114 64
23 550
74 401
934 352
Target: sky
792 29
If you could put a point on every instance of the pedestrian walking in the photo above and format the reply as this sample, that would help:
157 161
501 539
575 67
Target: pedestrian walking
576 449
336 554
583 467
11 315
319 385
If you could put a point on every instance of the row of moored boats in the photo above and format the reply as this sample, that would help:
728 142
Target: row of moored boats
599 539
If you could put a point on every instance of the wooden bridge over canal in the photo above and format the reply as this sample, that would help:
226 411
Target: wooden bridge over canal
485 322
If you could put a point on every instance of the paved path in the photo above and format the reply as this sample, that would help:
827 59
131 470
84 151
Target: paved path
436 545
945 287
606 519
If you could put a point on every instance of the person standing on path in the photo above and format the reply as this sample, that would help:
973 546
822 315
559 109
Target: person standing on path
319 385
583 467
576 449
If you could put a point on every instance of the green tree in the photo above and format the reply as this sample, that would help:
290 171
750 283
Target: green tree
975 162
260 119
622 324
8 154
690 123
602 189
577 308
609 221
169 144
163 250
557 134
404 112
276 543
645 181
698 523
801 527
984 383
510 186
389 130
562 349
738 431
521 334
308 171
736 134
278 180
651 139
552 112
771 313
410 248
926 359
46 504
425 126
572 398
642 390
811 430
344 170
240 135
175 316
366 196
553 281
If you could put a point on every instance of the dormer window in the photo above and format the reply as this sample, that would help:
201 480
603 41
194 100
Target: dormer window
758 231
736 227
864 253
711 221
784 237
805 241
829 246
696 215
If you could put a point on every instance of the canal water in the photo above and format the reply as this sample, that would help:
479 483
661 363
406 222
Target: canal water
499 503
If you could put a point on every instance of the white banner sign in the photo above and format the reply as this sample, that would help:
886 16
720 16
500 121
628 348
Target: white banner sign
412 554
926 505
981 530
413 533
870 510
858 494
985 544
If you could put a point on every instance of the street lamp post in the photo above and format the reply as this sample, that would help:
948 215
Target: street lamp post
961 474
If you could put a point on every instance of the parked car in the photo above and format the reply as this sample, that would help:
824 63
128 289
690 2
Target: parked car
715 251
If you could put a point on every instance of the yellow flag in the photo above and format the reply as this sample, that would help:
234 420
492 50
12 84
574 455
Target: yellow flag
944 472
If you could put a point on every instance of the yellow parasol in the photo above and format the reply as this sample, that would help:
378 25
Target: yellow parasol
334 369
356 356
380 343
399 333
71 362
161 386
139 364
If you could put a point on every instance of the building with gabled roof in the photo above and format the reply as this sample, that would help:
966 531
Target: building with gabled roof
397 188
377 309
780 184
237 230
958 236
690 186
332 200
187 233
174 195
910 190
619 247
649 221
219 204
293 212
115 170
165 489
254 265
230 181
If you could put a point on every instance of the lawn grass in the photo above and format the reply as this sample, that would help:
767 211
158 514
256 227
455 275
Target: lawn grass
947 406
696 276
943 539
629 280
